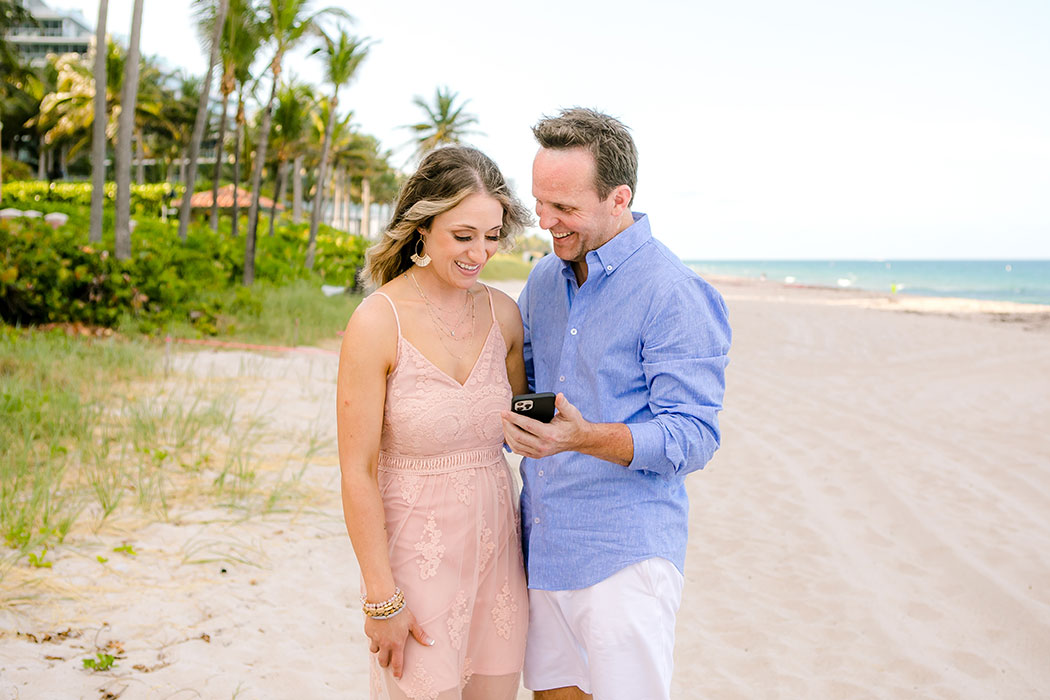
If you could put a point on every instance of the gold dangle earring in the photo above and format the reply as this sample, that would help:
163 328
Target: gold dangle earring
420 259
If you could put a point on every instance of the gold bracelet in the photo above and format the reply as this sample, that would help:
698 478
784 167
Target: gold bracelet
386 615
387 608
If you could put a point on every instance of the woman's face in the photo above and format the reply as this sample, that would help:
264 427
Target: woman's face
461 240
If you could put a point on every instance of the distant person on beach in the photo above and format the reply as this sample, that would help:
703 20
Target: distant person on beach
634 343
427 363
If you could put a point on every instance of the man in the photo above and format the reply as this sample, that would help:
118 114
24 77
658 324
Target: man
634 343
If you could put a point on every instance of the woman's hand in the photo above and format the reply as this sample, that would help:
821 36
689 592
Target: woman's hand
389 638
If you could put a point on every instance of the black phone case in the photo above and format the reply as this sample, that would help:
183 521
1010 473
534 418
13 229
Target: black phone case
536 406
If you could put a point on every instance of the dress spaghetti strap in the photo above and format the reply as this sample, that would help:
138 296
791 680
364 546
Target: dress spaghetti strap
492 306
397 320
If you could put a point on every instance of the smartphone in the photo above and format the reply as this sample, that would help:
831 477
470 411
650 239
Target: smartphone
536 406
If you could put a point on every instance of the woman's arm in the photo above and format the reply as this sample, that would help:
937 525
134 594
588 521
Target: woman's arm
366 357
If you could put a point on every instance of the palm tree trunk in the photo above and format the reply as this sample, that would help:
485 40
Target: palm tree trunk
348 202
127 117
366 207
322 171
344 205
257 168
278 190
140 154
237 148
219 152
98 128
297 189
202 118
337 199
41 162
1 158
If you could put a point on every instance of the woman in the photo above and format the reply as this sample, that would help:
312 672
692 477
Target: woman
426 366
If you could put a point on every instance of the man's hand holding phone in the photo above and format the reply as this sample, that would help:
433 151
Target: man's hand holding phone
533 437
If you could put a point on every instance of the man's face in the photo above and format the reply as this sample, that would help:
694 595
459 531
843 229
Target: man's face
568 205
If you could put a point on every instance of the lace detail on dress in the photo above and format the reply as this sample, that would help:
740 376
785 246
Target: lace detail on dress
463 481
467 673
503 486
411 485
457 620
378 690
485 545
503 612
430 549
421 684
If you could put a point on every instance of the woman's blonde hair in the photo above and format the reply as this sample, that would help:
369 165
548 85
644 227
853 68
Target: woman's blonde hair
445 178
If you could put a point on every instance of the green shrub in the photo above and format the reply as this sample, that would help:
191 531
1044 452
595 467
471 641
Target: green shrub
146 200
15 170
57 276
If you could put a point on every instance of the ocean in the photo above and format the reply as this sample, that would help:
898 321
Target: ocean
1025 281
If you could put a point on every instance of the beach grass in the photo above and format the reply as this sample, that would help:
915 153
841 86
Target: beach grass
54 391
93 427
297 313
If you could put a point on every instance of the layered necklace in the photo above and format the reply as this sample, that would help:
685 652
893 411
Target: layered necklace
454 330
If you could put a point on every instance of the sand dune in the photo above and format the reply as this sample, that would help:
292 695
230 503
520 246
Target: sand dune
876 525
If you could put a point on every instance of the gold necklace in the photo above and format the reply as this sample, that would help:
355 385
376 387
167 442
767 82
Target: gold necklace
439 323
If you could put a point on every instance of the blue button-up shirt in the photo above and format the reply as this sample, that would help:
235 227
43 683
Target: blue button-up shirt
643 341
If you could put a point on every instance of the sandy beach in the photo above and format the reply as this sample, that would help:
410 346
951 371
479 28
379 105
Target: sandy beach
876 525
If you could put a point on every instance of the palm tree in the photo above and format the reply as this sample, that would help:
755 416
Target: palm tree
341 132
98 131
127 113
367 165
240 40
202 116
342 57
172 131
286 23
445 122
238 147
291 120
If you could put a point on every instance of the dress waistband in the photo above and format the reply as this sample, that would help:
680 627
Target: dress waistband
453 461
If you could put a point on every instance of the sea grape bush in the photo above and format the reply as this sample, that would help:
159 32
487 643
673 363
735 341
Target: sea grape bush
57 276
34 194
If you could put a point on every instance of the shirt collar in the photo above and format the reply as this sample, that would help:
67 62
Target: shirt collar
617 249
624 244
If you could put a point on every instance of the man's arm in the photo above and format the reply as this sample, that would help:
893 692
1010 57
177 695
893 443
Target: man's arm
569 431
685 348
684 354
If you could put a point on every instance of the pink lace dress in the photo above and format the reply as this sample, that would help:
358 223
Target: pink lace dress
453 527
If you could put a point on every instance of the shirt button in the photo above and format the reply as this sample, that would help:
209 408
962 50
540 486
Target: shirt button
573 331
609 268
540 472
561 378
536 520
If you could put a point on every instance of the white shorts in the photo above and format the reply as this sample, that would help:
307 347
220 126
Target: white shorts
613 640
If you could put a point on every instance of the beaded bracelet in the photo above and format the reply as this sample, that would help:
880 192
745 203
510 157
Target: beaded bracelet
386 609
388 615
398 597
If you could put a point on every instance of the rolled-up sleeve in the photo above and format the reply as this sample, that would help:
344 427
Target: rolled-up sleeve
685 349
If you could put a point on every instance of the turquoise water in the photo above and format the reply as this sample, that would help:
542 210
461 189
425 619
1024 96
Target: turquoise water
1026 281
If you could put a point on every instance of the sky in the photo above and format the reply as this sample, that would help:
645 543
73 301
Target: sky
862 129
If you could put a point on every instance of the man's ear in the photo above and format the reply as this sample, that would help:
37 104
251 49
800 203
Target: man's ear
621 197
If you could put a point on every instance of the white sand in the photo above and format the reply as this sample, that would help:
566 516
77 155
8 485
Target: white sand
876 525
